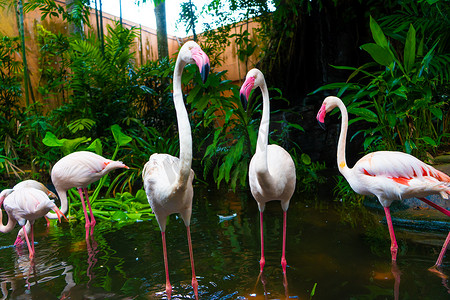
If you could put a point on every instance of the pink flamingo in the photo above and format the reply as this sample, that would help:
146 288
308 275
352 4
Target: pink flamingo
39 186
26 204
271 171
168 179
389 175
79 169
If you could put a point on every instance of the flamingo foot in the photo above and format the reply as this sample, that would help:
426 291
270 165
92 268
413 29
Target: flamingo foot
394 250
169 290
283 264
437 270
195 286
262 262
19 242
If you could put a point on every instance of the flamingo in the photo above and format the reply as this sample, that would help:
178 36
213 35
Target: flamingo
79 169
39 186
26 204
271 171
389 176
167 179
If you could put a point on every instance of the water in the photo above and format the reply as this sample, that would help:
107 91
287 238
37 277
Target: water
343 252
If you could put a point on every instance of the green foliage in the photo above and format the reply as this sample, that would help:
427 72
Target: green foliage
53 64
103 84
345 194
403 96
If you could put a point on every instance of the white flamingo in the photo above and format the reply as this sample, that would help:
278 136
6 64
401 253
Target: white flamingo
78 170
388 175
168 179
271 171
35 185
26 204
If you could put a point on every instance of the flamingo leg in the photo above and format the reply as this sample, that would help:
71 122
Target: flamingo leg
32 237
283 255
394 246
262 261
166 265
93 222
48 221
28 243
191 254
443 250
86 217
447 240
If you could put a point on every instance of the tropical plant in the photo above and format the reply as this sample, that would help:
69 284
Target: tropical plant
103 84
403 94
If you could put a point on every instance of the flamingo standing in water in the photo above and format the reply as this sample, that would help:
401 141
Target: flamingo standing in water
389 175
35 185
271 171
168 179
26 204
79 169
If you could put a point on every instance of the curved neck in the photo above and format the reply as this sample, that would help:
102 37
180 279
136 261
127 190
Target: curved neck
263 133
11 223
341 161
184 127
62 194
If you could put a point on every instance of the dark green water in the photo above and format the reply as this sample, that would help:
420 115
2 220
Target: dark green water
344 251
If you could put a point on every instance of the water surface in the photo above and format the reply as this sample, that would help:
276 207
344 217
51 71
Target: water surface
344 252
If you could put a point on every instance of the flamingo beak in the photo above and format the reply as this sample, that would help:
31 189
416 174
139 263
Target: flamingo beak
321 116
19 241
246 89
202 62
51 195
59 213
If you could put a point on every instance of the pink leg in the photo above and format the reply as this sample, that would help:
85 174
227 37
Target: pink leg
262 262
93 222
166 265
394 246
48 221
191 254
283 255
86 217
32 237
28 243
447 240
444 249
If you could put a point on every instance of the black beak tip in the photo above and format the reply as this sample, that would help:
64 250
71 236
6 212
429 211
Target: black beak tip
243 101
322 125
205 72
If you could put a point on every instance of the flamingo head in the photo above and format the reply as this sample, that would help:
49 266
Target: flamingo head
192 53
327 105
253 79
20 240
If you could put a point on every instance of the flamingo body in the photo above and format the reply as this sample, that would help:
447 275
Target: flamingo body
168 179
78 170
389 175
271 171
275 183
27 205
166 194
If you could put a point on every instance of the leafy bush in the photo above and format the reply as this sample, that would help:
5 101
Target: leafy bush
404 95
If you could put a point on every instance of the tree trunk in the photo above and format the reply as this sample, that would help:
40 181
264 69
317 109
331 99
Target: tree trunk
75 28
161 30
20 24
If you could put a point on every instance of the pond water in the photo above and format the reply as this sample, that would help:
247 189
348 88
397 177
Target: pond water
342 252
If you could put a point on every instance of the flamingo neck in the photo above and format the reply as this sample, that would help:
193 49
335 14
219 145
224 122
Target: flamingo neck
62 194
341 161
184 127
263 133
9 226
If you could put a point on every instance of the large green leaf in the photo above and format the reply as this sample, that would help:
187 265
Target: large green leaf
410 49
377 34
120 138
365 113
381 55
